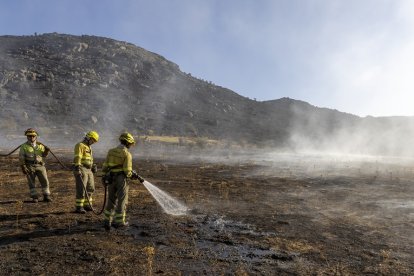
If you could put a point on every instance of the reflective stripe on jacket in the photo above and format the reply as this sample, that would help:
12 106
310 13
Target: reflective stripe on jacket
118 160
83 155
31 155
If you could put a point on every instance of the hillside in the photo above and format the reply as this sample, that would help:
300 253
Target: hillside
77 83
66 85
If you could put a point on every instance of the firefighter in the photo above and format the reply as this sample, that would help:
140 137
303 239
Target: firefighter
84 168
31 162
118 165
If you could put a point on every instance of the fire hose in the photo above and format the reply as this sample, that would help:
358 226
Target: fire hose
66 168
10 153
89 202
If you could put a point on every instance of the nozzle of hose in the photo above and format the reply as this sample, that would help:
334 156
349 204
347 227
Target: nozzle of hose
140 179
135 175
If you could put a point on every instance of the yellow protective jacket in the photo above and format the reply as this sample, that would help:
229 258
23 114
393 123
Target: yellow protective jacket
118 160
31 155
83 155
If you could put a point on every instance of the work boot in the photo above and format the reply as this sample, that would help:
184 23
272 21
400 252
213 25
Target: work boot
34 199
46 198
80 210
107 225
120 225
88 208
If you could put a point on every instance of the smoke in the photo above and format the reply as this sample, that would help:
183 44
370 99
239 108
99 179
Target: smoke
323 130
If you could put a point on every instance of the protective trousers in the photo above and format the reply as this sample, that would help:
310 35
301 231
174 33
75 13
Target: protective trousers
39 171
84 180
117 199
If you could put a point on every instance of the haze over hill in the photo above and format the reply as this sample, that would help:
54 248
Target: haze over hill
65 85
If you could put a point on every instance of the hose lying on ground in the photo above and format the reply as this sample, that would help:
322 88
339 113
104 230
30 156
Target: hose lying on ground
89 203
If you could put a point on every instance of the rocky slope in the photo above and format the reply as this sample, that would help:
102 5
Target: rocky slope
66 85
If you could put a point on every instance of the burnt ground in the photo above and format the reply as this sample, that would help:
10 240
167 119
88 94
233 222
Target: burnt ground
246 218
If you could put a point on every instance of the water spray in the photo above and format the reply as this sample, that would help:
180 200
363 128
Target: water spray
170 205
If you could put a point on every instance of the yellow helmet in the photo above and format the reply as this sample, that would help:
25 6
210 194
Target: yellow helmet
93 135
30 132
127 137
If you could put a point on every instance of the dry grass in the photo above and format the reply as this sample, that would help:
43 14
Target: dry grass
19 208
302 266
388 265
241 271
177 139
150 252
164 139
298 246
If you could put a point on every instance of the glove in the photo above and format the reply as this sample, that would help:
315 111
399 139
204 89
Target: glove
94 168
106 179
134 175
25 170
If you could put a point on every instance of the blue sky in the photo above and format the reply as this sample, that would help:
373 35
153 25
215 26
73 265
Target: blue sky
356 56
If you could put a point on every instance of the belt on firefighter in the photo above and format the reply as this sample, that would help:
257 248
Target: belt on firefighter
116 173
34 162
87 166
